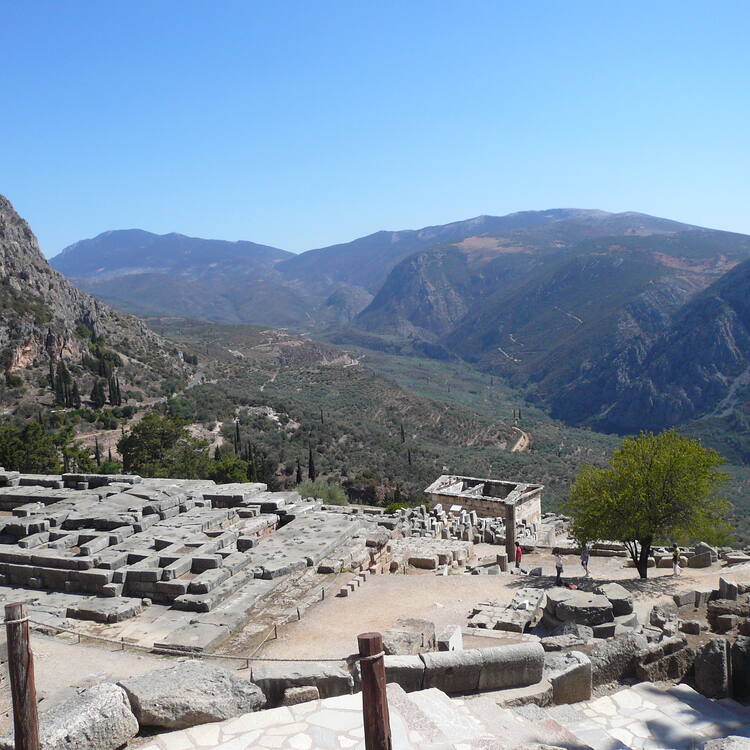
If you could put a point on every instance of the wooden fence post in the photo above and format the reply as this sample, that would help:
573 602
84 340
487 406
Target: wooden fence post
21 669
374 699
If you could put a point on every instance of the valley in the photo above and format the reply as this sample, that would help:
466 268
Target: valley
499 346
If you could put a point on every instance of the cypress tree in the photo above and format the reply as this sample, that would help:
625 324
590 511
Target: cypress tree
311 474
408 455
109 455
299 472
403 435
321 415
237 436
75 396
97 454
119 392
98 397
52 375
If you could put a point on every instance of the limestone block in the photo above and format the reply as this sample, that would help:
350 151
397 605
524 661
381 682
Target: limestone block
190 693
511 666
95 718
406 670
409 636
296 695
585 609
669 659
274 678
728 589
702 560
429 562
740 660
684 598
691 627
453 671
450 638
570 675
614 659
712 669
620 598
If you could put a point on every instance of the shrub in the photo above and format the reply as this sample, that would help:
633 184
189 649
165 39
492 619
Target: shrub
331 493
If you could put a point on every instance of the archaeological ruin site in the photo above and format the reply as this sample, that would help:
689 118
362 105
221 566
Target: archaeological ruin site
242 609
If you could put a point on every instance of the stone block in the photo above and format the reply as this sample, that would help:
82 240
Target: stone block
585 609
453 671
570 675
428 562
614 660
295 695
684 598
407 671
190 693
691 627
702 560
740 662
669 659
450 638
512 666
95 718
620 598
712 669
409 636
274 678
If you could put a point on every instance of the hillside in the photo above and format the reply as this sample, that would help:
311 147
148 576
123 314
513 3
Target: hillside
46 321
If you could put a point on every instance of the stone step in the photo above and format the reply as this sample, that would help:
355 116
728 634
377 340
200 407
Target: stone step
588 732
709 711
519 727
741 711
454 724
421 730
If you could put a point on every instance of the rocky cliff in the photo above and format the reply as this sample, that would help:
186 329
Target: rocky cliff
45 318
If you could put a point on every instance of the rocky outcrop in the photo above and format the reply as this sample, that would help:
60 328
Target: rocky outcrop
188 694
45 318
97 718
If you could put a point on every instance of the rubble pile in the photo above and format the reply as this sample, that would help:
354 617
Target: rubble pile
459 524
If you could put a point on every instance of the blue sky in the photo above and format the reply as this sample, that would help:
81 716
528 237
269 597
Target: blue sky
301 124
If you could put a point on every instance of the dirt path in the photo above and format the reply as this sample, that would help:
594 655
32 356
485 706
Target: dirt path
523 441
270 380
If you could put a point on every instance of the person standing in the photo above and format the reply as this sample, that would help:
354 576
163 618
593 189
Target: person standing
585 556
676 561
519 555
558 566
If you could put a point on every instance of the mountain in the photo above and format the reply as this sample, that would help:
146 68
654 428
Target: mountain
574 313
46 320
697 364
245 282
151 274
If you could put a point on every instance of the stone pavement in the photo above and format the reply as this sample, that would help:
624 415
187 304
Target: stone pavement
644 717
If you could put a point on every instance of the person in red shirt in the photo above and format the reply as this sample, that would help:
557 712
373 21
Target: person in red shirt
519 555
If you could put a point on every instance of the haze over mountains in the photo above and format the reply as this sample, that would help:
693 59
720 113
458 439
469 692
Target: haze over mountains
616 321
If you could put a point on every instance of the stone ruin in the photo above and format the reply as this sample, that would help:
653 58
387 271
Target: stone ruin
101 547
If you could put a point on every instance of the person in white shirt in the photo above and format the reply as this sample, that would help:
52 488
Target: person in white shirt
558 566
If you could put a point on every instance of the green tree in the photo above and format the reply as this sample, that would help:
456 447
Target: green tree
98 399
30 449
329 492
311 473
162 447
229 469
657 489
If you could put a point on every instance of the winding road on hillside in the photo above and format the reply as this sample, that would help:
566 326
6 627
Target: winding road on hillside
523 442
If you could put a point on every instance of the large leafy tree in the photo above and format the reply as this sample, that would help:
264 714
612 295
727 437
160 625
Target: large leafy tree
658 489
162 447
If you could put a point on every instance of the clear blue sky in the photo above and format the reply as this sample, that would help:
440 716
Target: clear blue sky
301 124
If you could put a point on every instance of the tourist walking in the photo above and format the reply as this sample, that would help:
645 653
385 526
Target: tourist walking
585 555
676 569
558 566
519 555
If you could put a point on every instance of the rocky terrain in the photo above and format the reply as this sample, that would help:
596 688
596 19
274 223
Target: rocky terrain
581 308
45 320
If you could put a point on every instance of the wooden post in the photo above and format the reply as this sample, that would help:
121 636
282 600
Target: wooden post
21 669
374 699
